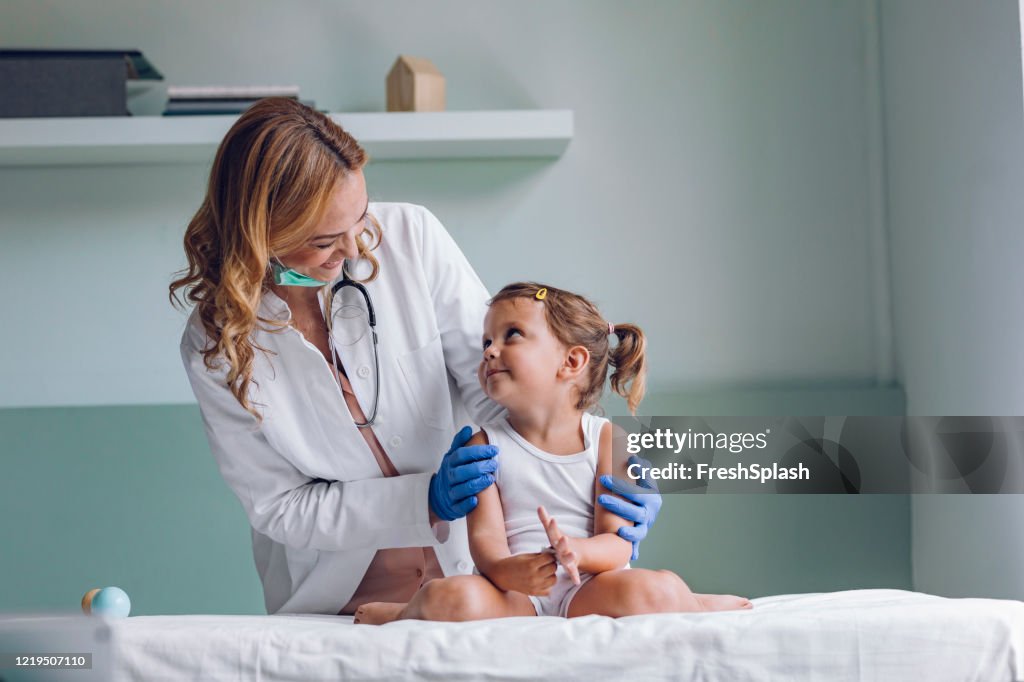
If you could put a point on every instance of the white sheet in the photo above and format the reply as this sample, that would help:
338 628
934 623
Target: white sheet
861 634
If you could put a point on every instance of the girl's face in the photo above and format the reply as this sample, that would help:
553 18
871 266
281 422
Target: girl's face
521 357
335 236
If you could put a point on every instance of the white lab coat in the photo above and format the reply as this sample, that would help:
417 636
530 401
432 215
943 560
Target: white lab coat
314 494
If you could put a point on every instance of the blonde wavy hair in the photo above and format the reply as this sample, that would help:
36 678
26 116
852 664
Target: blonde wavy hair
269 186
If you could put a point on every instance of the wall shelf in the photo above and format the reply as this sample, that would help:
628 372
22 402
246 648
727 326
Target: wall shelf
194 139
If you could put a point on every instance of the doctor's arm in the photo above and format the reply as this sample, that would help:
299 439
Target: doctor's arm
285 504
460 303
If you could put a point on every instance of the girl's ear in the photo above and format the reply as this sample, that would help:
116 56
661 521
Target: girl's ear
576 360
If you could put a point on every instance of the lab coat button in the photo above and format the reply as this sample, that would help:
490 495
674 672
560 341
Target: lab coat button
395 441
463 566
363 372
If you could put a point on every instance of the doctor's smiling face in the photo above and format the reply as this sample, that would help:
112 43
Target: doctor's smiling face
521 357
334 238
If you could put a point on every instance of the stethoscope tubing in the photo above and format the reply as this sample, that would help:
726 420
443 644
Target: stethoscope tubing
347 281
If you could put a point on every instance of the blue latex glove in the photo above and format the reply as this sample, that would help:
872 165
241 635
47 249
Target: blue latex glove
641 509
464 472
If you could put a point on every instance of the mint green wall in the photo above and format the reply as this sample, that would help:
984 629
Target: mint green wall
719 161
720 190
778 544
126 496
130 496
955 130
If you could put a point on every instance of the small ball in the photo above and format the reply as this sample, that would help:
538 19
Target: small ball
87 599
112 601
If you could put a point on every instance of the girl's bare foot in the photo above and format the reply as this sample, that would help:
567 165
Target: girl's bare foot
378 613
723 602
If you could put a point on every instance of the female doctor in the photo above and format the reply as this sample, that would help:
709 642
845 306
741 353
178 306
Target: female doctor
332 344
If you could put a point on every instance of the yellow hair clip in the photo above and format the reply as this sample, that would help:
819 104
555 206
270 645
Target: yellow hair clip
542 294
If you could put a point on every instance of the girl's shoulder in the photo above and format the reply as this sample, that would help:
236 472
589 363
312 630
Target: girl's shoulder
493 429
592 426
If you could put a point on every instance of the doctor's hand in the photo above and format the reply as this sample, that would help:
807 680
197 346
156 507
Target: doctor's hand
464 472
639 508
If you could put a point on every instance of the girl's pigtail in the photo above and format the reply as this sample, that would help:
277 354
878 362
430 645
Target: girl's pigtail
630 363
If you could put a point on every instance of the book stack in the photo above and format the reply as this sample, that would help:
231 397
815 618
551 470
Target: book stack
203 100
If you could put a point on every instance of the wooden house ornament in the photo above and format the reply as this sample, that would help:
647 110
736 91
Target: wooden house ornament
414 84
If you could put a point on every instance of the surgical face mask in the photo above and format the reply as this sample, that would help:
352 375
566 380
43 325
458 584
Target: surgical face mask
285 276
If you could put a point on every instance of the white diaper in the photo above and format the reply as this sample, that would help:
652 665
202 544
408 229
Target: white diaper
556 602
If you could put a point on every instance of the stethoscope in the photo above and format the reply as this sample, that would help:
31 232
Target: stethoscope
347 281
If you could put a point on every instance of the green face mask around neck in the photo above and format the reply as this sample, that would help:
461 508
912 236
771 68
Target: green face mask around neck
287 277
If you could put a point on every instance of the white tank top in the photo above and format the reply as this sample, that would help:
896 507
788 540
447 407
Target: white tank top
528 477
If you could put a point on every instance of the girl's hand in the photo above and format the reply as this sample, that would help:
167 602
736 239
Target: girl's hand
560 546
527 573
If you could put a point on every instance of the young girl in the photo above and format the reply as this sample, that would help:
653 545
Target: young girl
546 355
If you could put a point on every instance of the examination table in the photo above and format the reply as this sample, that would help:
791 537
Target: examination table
852 635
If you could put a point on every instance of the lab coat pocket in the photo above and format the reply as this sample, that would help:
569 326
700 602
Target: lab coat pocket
426 377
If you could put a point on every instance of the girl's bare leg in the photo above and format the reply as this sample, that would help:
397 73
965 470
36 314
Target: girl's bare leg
458 598
723 602
631 592
378 612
